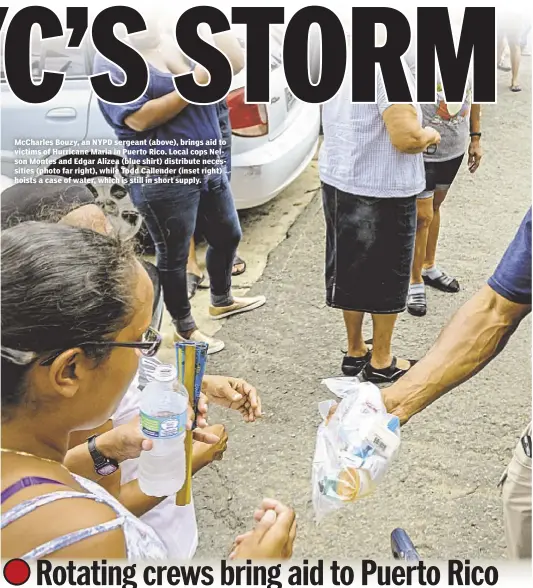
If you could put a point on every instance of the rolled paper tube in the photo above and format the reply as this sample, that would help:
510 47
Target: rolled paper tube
186 360
201 360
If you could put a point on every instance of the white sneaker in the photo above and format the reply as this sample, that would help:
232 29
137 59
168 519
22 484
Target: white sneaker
214 345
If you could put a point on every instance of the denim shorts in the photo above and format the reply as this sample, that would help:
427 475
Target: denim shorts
369 251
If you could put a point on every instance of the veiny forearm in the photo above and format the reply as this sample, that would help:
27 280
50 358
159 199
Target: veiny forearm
475 335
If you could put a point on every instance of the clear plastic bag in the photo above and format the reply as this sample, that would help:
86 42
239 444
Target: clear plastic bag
354 449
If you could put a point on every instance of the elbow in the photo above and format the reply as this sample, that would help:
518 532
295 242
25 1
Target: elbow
136 124
409 142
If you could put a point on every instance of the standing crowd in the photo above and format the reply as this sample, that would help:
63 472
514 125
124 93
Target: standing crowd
81 313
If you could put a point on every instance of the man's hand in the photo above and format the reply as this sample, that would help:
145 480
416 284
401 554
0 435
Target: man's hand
233 393
273 536
394 403
475 153
203 453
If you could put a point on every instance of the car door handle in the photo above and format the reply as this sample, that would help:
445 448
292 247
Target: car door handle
62 113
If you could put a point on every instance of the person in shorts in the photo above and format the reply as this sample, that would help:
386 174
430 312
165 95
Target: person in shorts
455 122
371 169
477 333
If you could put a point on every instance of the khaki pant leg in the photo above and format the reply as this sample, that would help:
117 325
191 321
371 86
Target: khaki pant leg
516 494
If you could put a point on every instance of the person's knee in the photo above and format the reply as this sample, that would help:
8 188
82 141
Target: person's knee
424 216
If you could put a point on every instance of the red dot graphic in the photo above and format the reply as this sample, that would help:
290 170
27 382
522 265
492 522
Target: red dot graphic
16 572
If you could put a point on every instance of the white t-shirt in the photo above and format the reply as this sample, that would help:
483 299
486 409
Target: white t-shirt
176 525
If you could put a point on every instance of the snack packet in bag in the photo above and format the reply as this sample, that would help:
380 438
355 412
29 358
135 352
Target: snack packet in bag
355 446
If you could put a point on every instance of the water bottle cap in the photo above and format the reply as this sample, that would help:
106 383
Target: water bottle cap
165 373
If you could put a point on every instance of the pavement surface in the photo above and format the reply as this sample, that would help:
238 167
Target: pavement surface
442 488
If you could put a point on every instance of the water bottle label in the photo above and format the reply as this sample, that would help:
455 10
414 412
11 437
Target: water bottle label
165 427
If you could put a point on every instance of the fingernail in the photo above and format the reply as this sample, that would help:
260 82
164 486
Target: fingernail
237 396
270 516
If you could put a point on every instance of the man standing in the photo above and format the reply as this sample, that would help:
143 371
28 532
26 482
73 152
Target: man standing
371 170
475 335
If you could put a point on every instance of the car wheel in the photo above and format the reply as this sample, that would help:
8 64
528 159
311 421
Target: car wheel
115 200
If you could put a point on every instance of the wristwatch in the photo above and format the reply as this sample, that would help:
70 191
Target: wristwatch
103 466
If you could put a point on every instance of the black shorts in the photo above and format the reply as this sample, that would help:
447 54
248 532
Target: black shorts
369 251
440 175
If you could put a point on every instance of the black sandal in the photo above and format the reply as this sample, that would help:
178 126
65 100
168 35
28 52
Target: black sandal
443 283
352 366
193 283
386 375
417 303
238 261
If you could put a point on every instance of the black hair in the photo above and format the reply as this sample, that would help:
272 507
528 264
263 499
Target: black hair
61 286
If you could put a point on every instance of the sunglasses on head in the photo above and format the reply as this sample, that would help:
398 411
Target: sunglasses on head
149 346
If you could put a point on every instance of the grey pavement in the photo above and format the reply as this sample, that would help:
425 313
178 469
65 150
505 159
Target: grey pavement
442 488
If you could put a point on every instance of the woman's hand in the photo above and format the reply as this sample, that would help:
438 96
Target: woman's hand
124 442
201 432
273 536
475 153
203 453
233 393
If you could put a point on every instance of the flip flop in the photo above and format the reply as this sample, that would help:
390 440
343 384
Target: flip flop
193 283
515 89
238 261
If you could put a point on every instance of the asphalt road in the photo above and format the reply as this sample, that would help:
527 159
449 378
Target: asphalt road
442 488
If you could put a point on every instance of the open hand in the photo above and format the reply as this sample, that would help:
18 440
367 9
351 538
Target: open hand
233 393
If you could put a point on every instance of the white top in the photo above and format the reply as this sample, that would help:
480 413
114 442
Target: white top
357 155
175 525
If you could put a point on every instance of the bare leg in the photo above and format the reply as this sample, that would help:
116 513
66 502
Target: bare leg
382 339
434 228
516 55
424 218
500 50
192 261
354 330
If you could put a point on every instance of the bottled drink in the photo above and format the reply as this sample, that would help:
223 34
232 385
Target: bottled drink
163 419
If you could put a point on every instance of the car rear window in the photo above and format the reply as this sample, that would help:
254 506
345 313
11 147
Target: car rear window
53 55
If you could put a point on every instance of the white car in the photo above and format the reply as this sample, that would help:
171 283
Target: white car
272 144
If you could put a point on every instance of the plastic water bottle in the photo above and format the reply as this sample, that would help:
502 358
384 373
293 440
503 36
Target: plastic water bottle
163 419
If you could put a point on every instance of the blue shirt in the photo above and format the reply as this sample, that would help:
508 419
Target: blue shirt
194 123
512 278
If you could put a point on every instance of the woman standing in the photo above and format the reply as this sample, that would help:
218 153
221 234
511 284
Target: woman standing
170 206
455 123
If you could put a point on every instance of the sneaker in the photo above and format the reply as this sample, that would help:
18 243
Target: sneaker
239 305
417 303
214 345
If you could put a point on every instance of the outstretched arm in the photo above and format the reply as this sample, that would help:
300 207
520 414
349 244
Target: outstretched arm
475 336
